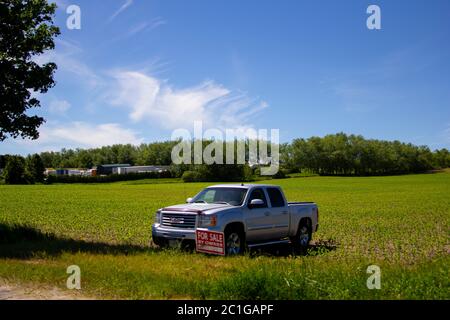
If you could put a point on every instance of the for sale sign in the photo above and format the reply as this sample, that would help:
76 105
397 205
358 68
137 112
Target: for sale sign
210 242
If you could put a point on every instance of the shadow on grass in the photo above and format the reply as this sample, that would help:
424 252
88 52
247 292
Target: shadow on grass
24 242
286 249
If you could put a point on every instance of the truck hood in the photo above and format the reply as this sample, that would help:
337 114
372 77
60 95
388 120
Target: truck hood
195 207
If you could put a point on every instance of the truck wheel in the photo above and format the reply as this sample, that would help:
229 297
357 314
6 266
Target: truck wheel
303 236
160 242
234 243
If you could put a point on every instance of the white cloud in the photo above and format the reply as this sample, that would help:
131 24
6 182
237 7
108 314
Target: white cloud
56 136
125 6
153 100
92 135
59 106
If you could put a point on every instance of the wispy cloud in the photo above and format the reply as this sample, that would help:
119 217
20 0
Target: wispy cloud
156 101
59 107
439 140
67 58
238 67
356 97
146 26
447 134
124 7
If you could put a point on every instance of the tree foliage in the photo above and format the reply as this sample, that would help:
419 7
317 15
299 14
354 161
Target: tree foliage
26 30
14 172
35 168
342 154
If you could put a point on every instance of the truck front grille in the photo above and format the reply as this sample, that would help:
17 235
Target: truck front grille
177 220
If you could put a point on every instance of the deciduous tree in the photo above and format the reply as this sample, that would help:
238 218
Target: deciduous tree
26 31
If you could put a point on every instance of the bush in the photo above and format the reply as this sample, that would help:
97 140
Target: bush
191 176
288 171
218 172
248 174
281 174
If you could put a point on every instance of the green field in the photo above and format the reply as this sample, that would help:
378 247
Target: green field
399 223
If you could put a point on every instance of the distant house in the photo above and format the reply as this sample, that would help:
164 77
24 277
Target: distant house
107 169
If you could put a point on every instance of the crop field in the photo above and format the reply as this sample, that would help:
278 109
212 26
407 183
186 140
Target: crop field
399 223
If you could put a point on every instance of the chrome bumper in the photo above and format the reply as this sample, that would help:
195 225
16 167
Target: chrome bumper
159 231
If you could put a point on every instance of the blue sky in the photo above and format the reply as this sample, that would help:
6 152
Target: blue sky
139 69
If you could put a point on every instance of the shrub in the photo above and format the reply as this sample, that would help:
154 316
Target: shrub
281 174
191 176
218 172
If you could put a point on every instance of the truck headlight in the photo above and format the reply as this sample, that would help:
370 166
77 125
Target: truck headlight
209 220
158 217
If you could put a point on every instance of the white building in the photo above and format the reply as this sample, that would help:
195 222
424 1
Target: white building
140 169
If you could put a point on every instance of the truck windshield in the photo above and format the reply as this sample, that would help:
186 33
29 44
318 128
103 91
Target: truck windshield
232 196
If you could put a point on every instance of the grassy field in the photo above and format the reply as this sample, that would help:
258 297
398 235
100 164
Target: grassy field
399 223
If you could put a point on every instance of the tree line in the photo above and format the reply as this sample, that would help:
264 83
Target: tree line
342 154
336 154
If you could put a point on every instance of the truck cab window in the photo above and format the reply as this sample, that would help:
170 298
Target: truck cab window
276 198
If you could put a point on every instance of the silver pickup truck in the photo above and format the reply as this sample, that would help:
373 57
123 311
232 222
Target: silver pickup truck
248 215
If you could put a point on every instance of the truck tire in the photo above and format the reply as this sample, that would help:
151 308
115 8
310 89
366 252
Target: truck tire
303 236
160 242
234 242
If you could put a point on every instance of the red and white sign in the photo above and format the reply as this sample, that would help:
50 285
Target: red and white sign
210 242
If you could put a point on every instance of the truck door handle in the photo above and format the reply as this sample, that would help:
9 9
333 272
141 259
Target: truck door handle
284 212
267 213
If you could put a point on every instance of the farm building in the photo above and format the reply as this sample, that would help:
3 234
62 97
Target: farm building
48 172
65 172
107 169
140 169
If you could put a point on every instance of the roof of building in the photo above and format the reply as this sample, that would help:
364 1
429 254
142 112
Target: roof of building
114 165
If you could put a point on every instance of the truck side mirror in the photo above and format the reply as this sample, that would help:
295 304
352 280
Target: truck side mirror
189 200
255 203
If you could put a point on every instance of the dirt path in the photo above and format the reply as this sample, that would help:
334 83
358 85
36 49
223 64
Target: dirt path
25 292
